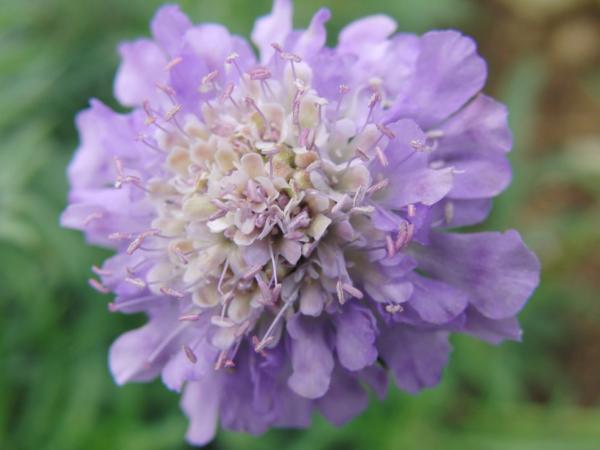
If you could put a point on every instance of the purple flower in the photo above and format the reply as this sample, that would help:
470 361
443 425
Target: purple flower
284 220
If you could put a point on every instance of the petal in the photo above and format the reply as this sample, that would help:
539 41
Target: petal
130 354
312 299
273 28
356 332
478 177
143 65
368 30
376 377
200 403
426 186
168 27
447 74
481 127
416 358
344 400
493 331
104 135
497 270
313 39
454 213
437 302
180 369
312 361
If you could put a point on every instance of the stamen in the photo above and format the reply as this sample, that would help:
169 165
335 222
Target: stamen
98 286
259 73
339 287
91 217
173 63
170 292
391 248
207 83
381 156
393 308
138 282
167 90
190 354
222 322
386 131
101 272
172 112
267 337
378 186
354 292
411 210
405 234
189 318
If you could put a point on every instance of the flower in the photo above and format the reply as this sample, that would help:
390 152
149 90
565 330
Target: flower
284 221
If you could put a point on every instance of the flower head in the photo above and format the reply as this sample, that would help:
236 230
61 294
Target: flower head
283 220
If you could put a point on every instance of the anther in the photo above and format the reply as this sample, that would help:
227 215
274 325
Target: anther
378 186
390 246
189 353
173 63
340 292
411 210
386 131
137 282
172 112
222 322
381 156
405 234
101 272
361 154
98 286
170 292
91 217
354 292
393 308
189 318
259 73
166 89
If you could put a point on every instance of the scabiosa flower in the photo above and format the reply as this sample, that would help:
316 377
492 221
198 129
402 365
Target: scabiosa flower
283 221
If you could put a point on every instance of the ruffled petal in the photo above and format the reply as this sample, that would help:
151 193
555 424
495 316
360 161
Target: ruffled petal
273 29
478 177
448 72
497 270
437 302
355 337
200 403
481 127
143 65
312 359
368 30
416 358
453 213
180 369
132 356
313 39
344 400
168 28
492 331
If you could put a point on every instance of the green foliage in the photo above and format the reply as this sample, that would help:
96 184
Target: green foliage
55 389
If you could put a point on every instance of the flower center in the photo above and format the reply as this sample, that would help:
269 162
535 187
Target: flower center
251 188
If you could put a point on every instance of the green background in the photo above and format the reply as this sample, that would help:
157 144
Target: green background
55 389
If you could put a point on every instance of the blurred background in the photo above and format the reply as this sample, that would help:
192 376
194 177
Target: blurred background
55 389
